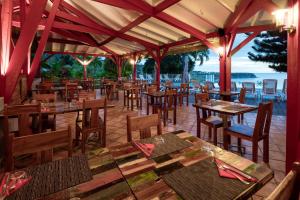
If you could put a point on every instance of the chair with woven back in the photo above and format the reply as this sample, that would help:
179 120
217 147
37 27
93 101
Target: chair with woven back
72 92
143 124
47 121
289 187
92 122
204 117
169 104
184 91
42 142
259 132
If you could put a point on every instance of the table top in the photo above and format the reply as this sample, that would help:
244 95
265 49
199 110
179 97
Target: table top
61 107
56 88
223 93
155 94
123 172
226 107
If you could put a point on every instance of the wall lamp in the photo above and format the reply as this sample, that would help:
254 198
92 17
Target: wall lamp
284 20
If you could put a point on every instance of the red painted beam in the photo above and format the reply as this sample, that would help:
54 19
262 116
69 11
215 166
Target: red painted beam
293 87
232 19
242 44
74 53
120 4
6 18
64 41
42 43
18 57
181 42
230 44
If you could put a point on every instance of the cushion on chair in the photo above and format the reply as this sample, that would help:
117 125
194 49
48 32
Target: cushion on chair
241 129
215 120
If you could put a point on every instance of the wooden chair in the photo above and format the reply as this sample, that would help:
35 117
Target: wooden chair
169 104
289 187
72 92
47 121
135 94
91 122
28 117
210 85
112 91
270 89
184 92
149 100
45 88
241 99
233 86
126 88
204 116
88 84
143 124
284 90
250 88
259 132
42 142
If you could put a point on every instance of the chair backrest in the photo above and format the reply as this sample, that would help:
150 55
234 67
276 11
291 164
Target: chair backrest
289 187
210 85
90 117
170 98
270 86
201 97
196 84
233 86
143 124
45 87
242 95
205 89
249 86
87 95
72 91
28 118
45 98
263 120
37 143
284 88
184 88
151 89
169 83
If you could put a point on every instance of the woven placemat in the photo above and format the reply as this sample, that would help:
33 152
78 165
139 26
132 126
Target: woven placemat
171 144
235 107
202 181
53 177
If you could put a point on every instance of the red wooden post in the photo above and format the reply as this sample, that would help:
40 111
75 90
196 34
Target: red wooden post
158 73
26 36
293 87
6 17
39 52
134 66
225 64
84 72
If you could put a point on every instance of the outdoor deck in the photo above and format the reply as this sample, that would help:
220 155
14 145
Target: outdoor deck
116 134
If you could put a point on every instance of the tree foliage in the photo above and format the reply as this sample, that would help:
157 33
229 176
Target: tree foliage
271 47
174 64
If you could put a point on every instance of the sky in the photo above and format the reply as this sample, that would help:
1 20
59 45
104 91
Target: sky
239 62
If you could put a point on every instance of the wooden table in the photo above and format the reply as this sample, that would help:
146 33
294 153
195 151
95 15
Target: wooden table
224 95
123 172
156 99
55 89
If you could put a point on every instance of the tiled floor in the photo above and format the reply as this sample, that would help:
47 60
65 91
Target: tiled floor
186 120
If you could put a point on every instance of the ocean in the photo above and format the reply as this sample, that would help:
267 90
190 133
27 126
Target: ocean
259 78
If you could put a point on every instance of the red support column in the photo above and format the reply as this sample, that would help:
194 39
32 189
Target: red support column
6 17
225 65
158 73
84 72
293 87
39 52
134 67
19 55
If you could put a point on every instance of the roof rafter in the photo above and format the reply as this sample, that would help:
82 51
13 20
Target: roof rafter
147 14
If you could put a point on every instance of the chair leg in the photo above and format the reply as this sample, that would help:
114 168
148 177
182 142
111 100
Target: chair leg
209 132
254 151
174 116
266 150
198 129
239 119
215 136
84 137
242 118
187 100
165 116
77 136
239 145
225 140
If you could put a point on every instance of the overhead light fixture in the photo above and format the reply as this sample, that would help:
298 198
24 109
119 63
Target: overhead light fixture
131 61
284 20
220 51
